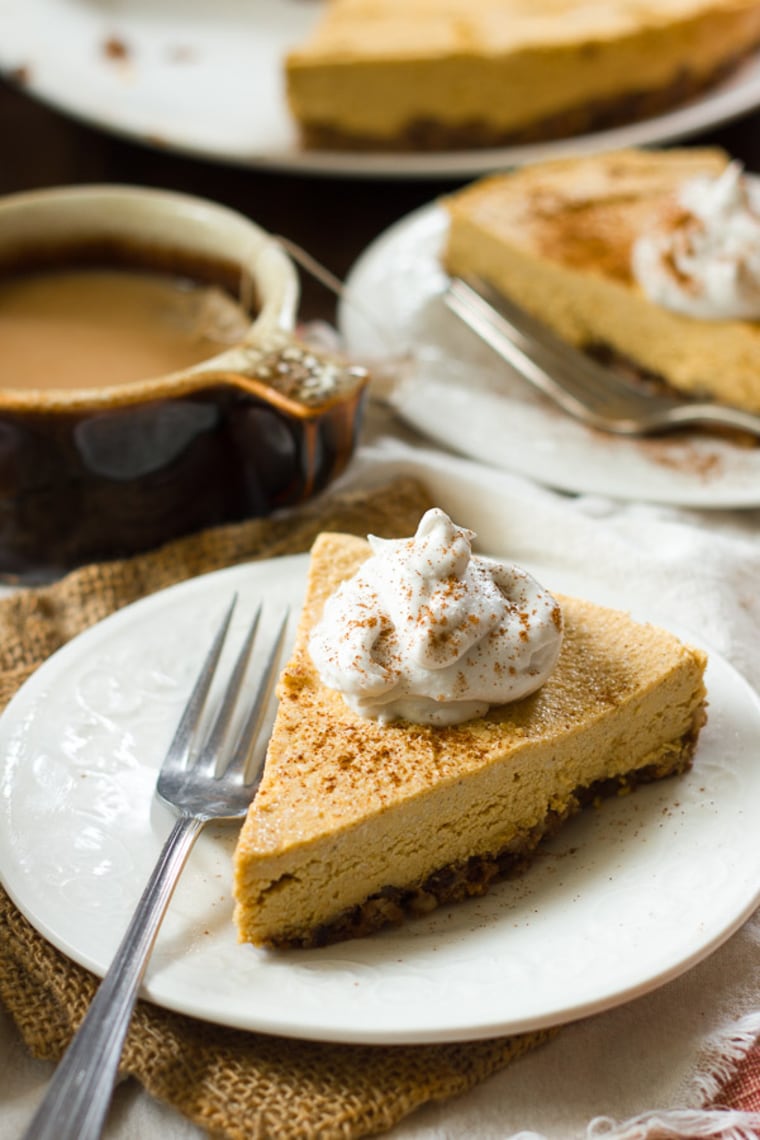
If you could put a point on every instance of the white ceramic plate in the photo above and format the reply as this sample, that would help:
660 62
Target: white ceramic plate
206 79
460 394
624 899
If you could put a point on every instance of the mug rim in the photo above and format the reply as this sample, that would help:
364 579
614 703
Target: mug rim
272 272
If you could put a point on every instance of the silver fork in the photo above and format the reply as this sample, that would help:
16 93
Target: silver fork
76 1103
584 388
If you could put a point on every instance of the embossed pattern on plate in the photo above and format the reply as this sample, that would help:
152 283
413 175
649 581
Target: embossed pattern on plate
464 397
624 899
207 80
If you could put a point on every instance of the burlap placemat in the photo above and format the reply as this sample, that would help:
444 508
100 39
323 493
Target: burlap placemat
232 1084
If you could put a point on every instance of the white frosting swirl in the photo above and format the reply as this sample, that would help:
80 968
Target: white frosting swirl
706 262
428 631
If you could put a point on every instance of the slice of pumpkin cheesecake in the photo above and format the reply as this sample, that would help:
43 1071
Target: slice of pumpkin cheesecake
649 258
361 821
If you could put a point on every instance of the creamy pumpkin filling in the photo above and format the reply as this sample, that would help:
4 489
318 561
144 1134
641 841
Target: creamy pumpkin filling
359 823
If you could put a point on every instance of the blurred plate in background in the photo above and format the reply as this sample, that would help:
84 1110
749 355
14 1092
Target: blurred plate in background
206 80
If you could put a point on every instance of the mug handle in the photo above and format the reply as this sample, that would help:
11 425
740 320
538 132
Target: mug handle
289 372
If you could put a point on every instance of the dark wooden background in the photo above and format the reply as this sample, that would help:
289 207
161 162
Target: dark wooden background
334 218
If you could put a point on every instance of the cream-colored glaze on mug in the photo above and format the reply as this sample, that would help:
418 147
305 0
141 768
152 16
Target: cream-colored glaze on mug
170 224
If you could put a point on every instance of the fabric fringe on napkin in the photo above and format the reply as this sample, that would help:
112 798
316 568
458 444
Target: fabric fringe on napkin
233 1084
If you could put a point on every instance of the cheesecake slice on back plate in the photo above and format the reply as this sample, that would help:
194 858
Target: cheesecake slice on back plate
557 238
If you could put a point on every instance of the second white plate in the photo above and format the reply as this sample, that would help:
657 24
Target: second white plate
624 899
464 397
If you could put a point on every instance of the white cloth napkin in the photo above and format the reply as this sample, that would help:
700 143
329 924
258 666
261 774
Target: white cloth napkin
647 1068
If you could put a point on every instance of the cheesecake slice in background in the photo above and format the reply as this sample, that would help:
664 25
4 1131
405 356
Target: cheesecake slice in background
427 75
558 239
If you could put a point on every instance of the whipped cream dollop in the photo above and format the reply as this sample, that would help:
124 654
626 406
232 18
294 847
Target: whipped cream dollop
432 633
705 262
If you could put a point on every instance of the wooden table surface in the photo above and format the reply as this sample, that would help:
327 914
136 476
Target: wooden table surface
333 218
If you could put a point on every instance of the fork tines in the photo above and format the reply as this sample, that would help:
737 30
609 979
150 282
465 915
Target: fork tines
189 727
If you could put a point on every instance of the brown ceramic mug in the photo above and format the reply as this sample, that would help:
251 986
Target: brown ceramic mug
104 470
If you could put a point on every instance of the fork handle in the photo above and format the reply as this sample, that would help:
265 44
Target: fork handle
77 1100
